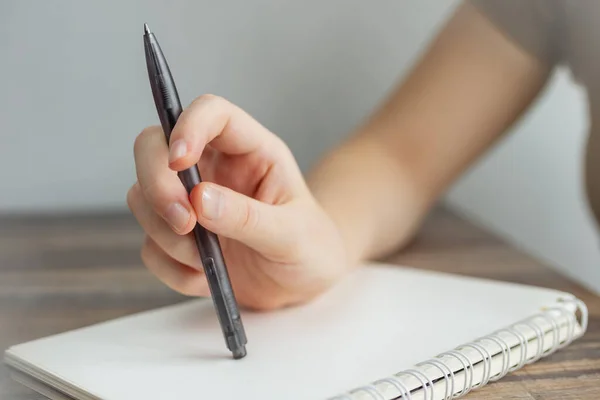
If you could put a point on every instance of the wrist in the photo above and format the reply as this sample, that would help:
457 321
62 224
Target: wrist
352 238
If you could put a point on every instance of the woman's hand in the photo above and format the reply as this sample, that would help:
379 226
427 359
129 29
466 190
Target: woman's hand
280 247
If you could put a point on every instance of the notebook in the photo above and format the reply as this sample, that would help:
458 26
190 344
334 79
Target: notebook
384 332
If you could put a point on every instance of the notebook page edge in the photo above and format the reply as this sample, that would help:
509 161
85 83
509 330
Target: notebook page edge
37 386
39 379
466 278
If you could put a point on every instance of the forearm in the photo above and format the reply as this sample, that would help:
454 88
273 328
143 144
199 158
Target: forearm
469 87
370 195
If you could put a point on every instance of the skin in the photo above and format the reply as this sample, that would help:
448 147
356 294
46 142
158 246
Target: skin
287 239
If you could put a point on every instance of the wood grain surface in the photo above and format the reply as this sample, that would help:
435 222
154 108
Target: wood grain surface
63 272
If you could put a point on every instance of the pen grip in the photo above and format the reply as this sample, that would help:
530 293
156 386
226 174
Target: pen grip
190 178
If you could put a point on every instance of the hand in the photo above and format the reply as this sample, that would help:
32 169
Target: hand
280 247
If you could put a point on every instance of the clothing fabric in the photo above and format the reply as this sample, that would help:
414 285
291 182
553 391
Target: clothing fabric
560 32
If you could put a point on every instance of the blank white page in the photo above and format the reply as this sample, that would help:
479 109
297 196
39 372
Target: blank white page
378 321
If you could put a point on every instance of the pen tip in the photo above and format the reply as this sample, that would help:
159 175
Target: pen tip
146 29
239 352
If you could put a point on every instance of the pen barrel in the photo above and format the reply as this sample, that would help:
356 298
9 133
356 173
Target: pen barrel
220 287
190 178
216 273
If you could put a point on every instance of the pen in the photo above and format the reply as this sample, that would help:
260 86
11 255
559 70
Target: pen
169 108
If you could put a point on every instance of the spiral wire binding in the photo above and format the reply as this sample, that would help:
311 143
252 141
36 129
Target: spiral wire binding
539 335
467 368
555 334
487 362
372 391
404 392
427 385
424 381
523 344
505 347
448 376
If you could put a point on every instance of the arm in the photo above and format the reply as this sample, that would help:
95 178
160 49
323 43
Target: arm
468 88
285 244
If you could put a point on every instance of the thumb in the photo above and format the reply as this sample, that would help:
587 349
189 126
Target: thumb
230 214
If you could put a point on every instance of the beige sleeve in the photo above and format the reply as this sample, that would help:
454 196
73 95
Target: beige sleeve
535 25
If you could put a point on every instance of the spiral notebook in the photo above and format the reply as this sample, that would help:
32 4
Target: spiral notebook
384 332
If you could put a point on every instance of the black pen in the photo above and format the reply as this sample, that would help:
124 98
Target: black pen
169 108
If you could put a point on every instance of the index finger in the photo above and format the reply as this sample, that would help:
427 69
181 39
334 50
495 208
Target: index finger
212 119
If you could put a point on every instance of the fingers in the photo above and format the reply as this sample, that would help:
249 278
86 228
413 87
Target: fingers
268 229
178 247
213 119
160 185
175 275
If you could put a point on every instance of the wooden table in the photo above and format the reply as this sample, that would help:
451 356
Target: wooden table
60 273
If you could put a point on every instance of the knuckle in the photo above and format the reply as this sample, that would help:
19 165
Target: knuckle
151 191
146 251
152 226
281 146
133 196
249 217
156 193
143 137
212 101
208 98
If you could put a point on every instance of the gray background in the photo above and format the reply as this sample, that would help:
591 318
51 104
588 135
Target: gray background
78 93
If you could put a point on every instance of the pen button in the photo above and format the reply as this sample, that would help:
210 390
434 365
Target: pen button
209 265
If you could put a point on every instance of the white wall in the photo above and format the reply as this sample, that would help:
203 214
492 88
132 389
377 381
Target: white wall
78 93
530 189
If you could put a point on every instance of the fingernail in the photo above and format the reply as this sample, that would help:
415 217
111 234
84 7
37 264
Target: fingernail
177 216
212 203
177 150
